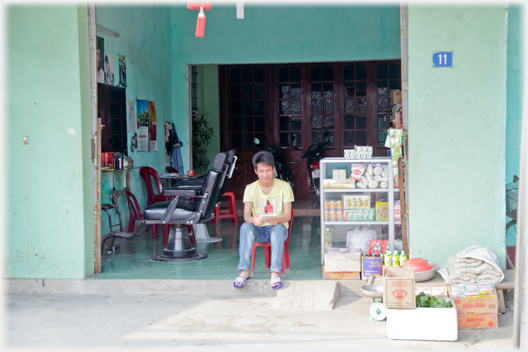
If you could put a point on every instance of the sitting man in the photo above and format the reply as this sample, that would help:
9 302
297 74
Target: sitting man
268 196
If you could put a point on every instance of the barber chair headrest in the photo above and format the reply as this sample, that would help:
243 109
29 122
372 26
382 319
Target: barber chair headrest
219 161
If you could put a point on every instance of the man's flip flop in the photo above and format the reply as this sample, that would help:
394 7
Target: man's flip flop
274 281
240 280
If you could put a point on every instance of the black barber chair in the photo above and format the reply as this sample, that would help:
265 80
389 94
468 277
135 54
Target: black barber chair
182 212
198 182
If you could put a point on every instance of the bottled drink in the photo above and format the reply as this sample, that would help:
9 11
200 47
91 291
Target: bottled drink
387 260
327 239
403 257
376 254
395 259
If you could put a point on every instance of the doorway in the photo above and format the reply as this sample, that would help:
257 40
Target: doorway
290 105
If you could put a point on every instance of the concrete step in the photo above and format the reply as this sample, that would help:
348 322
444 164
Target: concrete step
307 295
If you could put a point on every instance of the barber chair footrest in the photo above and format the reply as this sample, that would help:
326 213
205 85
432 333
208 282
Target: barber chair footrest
164 258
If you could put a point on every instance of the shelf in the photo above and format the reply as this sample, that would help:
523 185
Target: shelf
360 223
373 160
346 190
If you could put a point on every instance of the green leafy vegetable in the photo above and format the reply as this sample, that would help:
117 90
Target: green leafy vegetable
423 300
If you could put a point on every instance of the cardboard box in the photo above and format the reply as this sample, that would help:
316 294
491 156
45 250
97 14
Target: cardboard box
399 288
475 299
341 275
428 324
360 201
342 174
342 262
348 183
396 97
371 266
478 321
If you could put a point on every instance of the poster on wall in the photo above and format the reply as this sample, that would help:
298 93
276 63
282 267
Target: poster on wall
122 71
143 143
100 56
109 69
142 111
131 116
153 143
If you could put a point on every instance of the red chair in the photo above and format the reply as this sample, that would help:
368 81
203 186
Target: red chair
134 210
231 213
267 251
150 177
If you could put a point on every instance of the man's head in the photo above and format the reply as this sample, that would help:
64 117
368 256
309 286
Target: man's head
264 165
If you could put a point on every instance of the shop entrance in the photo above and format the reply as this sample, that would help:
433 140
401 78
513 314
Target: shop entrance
290 105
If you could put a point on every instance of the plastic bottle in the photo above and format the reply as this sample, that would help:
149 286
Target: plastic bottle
395 259
387 260
403 257
327 239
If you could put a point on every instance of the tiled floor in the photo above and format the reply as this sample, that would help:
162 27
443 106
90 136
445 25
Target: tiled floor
133 260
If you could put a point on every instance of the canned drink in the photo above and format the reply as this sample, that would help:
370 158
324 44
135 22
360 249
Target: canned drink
327 215
326 205
339 205
332 215
331 205
339 215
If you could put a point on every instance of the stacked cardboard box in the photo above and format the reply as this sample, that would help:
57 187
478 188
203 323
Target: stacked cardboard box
372 266
477 306
342 266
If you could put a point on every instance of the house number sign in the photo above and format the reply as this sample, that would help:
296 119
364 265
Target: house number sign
443 59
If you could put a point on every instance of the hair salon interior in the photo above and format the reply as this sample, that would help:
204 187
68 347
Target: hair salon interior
88 83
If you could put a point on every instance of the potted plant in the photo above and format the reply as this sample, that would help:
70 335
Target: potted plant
202 133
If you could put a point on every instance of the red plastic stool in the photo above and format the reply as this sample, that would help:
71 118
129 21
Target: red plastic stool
231 214
267 251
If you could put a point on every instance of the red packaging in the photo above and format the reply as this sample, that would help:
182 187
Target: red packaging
379 245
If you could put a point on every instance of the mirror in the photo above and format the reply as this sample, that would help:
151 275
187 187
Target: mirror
111 108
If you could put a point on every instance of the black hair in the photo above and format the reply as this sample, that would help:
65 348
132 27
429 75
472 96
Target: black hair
263 157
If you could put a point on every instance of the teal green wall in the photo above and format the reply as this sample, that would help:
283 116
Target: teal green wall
457 122
515 80
272 34
144 39
49 198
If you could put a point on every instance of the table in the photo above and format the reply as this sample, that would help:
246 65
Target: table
179 176
172 179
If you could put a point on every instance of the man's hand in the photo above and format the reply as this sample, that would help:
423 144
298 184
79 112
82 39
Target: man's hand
273 221
257 220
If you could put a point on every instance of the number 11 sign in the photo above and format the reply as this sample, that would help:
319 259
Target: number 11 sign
443 59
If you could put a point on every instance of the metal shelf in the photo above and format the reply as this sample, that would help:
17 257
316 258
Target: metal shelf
391 191
357 190
360 223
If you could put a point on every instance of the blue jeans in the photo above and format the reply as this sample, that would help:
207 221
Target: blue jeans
275 234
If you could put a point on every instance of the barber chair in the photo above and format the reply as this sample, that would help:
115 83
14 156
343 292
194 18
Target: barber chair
180 212
196 182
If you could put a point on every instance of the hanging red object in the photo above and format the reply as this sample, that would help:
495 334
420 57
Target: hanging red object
200 23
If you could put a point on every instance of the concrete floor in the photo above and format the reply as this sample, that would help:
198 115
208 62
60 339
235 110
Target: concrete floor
220 321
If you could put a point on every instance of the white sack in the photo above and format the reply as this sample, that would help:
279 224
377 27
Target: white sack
473 265
357 238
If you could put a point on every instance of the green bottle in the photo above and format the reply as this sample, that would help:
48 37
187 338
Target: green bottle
387 260
403 258
395 259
